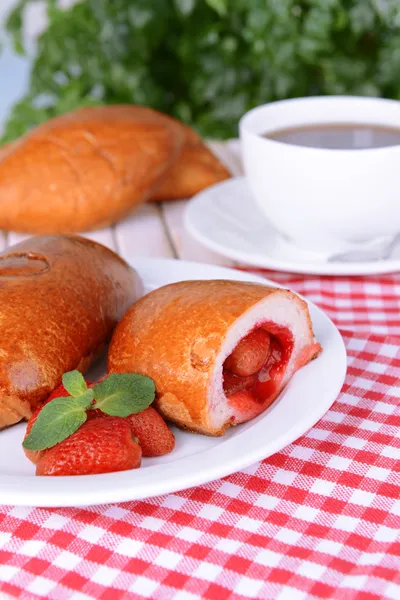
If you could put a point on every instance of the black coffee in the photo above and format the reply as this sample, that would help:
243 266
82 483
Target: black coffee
338 136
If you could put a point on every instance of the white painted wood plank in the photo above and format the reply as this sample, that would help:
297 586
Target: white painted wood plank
143 234
103 236
186 247
3 240
15 238
229 154
233 147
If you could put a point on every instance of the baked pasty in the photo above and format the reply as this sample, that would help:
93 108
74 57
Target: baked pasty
219 352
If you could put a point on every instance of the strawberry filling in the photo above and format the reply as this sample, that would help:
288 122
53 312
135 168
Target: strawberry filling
253 372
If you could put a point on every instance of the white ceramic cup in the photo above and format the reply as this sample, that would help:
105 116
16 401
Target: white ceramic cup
327 201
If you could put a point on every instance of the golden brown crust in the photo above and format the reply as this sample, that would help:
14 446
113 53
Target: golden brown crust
198 429
195 169
85 169
5 149
174 334
60 299
90 168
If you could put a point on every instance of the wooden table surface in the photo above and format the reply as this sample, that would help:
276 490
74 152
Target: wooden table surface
156 230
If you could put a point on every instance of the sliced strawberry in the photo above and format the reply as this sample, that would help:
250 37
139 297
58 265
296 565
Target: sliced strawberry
233 383
98 446
270 376
253 397
250 354
154 435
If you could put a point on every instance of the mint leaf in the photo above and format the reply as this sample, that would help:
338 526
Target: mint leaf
74 383
58 420
85 399
121 395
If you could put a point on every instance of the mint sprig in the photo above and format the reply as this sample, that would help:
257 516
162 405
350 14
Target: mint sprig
56 421
119 395
74 383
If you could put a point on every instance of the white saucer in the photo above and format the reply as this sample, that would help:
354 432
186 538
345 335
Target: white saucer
196 459
226 219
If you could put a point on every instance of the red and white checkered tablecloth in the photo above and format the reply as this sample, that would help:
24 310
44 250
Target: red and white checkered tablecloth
321 519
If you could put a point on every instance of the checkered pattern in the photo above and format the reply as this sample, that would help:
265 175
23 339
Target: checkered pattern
355 304
321 519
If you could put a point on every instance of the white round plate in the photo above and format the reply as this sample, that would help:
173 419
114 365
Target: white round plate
226 219
196 459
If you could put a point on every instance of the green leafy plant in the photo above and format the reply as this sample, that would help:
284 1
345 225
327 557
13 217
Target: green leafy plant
206 61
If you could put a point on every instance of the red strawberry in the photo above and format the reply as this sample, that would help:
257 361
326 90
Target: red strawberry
98 446
95 413
155 438
154 435
250 354
233 383
34 455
